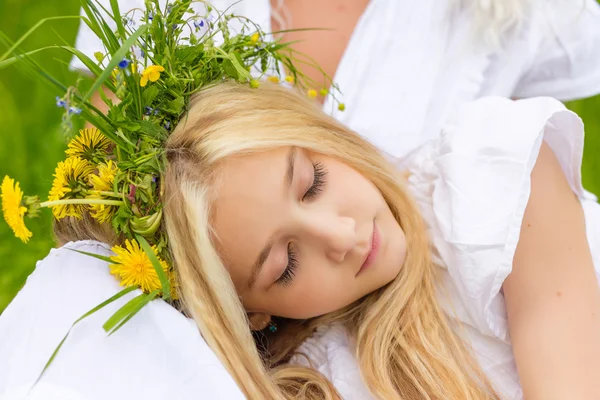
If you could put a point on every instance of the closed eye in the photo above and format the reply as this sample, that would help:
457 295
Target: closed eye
318 182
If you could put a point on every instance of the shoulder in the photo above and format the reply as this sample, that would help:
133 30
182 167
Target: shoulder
158 353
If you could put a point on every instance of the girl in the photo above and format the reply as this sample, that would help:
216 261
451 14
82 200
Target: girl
467 271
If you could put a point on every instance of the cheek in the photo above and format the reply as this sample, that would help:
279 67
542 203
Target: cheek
314 293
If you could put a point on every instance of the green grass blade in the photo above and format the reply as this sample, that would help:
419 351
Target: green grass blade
117 57
147 299
87 314
164 280
30 31
99 257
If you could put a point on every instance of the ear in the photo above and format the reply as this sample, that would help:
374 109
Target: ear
258 321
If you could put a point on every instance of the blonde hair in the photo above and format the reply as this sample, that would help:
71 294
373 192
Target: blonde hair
404 343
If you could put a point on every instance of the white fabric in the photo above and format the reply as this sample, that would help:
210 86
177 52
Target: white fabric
158 354
472 185
410 64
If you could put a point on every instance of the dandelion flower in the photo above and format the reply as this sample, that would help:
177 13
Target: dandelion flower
103 181
133 267
13 209
152 74
88 144
273 79
254 38
312 93
70 176
289 79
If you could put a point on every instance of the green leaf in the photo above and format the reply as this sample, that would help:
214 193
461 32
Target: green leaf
147 299
87 314
123 312
29 32
164 280
149 94
175 106
117 57
114 4
99 257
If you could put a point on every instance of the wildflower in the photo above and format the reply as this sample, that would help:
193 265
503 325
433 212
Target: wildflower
341 107
312 93
90 144
254 83
103 181
323 92
273 79
13 208
152 74
70 176
254 38
167 125
99 56
124 63
289 79
74 110
150 15
133 267
199 24
60 102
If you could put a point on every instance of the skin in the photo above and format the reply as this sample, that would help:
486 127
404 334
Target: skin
330 233
552 295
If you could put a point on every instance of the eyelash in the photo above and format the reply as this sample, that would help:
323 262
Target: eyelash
290 271
318 182
287 276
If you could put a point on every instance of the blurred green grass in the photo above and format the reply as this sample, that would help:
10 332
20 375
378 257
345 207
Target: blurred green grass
31 142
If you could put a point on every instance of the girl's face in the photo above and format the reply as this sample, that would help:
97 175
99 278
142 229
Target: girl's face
303 234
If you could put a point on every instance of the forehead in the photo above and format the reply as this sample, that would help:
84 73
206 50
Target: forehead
250 200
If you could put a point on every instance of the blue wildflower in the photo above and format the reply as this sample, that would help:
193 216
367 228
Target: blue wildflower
150 15
148 110
74 110
167 125
156 111
124 63
199 24
60 102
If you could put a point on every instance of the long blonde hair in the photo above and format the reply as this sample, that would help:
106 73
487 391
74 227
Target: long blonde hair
404 344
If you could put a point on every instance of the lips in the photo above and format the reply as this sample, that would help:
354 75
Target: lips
375 242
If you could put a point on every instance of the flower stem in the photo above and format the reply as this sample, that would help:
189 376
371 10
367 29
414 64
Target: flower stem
81 201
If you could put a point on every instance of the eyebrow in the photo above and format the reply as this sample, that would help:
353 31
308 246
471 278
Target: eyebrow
264 254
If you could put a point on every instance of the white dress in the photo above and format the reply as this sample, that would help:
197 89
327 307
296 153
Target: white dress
472 185
410 64
158 354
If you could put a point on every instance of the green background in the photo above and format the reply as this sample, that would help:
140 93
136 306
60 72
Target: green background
31 142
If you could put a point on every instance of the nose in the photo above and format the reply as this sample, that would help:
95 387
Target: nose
336 234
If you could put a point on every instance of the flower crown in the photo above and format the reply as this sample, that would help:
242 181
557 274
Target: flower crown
153 62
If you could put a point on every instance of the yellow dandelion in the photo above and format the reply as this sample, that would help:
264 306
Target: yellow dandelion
289 79
312 93
88 144
13 209
133 267
255 38
103 181
70 176
152 74
273 79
